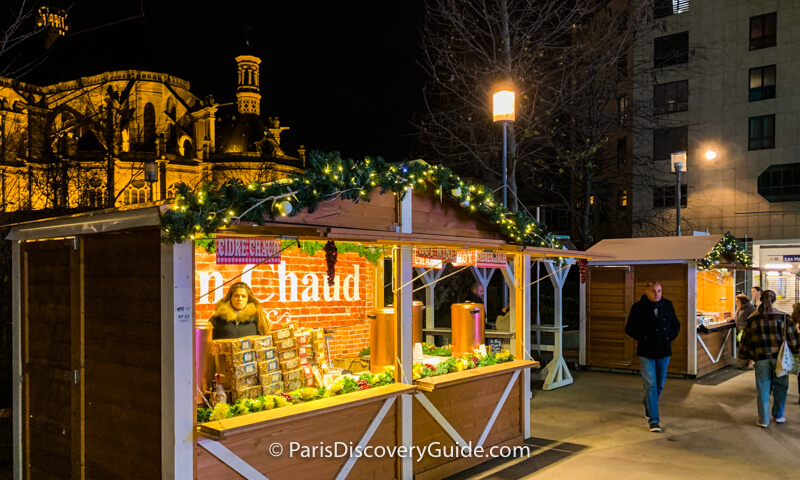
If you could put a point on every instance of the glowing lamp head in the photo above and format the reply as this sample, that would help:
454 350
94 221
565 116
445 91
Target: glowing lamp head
678 161
711 155
503 106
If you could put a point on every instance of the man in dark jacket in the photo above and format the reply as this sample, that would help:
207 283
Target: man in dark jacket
654 325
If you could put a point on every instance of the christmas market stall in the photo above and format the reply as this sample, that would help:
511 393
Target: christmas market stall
195 340
696 274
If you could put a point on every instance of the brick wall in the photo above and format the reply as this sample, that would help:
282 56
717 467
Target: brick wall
311 304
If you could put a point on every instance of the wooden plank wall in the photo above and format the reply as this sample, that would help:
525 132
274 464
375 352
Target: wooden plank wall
674 283
467 407
717 340
47 369
122 356
610 294
346 426
609 298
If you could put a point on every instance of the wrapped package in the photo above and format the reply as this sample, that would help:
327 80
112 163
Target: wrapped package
267 354
231 371
246 392
232 346
271 377
268 366
290 364
278 335
302 339
272 388
245 381
287 355
286 344
261 342
293 385
293 375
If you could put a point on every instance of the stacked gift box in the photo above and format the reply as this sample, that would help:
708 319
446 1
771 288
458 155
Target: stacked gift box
236 362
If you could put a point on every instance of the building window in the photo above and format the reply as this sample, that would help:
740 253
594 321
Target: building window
96 193
622 66
622 108
665 8
671 50
622 151
664 197
671 97
762 132
780 183
762 83
669 140
622 199
137 192
763 31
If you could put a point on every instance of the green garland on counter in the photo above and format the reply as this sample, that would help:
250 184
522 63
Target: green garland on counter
327 177
727 250
341 386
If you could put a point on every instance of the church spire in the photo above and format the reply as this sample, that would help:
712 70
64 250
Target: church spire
248 94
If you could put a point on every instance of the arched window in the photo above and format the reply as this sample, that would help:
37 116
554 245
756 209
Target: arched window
188 151
149 128
137 192
96 193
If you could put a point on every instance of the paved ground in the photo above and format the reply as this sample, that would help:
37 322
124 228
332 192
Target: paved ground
595 429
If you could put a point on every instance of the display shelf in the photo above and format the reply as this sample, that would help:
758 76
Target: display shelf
218 429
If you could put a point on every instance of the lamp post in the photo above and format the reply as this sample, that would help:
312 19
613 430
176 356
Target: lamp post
504 113
678 160
151 174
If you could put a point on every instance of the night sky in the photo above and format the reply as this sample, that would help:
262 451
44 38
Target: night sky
341 74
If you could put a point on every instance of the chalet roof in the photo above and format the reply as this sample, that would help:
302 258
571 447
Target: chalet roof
657 249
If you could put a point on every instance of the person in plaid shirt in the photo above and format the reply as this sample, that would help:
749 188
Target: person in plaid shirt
761 340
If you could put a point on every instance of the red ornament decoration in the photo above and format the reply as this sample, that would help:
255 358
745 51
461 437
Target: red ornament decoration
583 264
331 253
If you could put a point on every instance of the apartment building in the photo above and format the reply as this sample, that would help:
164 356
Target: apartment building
718 79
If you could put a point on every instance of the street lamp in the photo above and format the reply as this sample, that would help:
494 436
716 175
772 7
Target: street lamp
678 160
503 112
151 174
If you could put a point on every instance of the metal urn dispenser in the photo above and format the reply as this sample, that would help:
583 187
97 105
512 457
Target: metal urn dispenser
204 363
416 315
467 327
382 339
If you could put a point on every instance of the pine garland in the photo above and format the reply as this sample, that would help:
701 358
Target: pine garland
726 251
310 248
327 177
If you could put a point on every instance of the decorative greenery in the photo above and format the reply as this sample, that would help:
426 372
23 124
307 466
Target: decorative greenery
429 349
459 364
341 386
328 177
726 251
373 255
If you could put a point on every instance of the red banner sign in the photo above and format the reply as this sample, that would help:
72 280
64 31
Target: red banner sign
243 250
480 259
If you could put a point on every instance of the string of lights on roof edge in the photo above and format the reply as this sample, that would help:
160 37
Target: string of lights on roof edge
327 177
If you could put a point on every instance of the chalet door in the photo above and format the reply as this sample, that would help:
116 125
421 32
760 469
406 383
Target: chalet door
609 298
52 384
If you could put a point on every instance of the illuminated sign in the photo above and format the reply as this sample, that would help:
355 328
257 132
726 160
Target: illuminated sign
244 250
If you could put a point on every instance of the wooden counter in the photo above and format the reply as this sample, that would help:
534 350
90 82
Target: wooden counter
345 418
479 405
715 349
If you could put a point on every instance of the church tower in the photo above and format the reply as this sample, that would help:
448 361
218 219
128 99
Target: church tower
248 94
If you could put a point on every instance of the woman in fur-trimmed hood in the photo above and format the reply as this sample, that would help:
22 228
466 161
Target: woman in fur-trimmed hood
239 314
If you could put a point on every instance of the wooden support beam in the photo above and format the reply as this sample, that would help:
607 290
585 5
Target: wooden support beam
78 396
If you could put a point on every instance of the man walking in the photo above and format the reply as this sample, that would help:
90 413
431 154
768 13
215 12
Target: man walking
654 325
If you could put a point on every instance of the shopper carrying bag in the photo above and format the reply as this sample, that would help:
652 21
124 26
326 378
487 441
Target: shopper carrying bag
761 342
